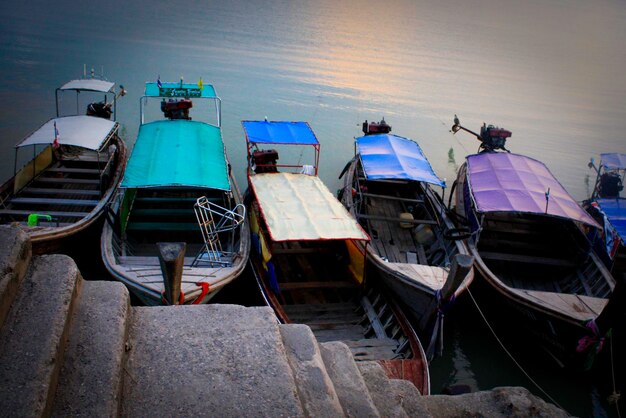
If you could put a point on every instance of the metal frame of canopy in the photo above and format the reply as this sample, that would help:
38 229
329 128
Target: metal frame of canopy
92 85
162 90
280 133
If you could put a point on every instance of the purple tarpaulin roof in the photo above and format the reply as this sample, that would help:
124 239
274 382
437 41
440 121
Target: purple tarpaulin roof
503 182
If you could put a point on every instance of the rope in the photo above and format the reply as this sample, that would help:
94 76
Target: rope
511 356
615 396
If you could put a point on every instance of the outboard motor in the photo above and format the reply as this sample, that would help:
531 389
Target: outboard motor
100 110
264 161
610 185
373 128
493 137
176 108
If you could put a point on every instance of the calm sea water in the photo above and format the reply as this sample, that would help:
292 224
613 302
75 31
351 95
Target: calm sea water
551 71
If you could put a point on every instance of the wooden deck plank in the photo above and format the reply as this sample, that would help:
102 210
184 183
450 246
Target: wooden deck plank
51 201
315 285
44 212
526 259
73 170
61 191
65 180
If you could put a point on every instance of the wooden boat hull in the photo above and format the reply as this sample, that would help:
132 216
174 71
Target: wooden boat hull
549 297
414 282
51 238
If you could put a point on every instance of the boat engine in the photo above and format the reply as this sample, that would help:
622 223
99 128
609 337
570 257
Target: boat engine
100 110
264 161
493 137
610 185
373 128
176 108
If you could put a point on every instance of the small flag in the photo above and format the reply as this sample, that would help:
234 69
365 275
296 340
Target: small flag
200 85
159 84
55 144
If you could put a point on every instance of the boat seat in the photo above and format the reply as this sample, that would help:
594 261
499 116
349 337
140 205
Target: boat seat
161 226
46 201
521 258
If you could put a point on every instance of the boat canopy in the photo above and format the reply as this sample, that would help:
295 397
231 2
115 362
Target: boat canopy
389 156
89 84
504 182
615 212
613 161
177 153
188 90
271 132
80 131
300 207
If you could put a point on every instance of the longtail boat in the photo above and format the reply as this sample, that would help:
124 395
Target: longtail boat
307 261
389 189
531 250
178 188
76 162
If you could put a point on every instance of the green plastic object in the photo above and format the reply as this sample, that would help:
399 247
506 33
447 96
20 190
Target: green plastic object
34 218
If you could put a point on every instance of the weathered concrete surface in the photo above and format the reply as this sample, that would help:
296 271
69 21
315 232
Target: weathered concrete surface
209 360
15 254
91 376
410 398
386 400
32 340
502 402
349 384
315 389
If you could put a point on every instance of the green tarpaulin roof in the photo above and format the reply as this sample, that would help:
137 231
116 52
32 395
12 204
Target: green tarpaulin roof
177 153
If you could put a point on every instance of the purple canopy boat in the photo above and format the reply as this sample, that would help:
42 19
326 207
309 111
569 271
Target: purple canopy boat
528 237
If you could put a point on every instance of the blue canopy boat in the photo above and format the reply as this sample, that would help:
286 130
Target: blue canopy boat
177 187
536 263
76 162
388 187
309 259
608 207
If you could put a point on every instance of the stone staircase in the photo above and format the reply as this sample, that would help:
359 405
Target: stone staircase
70 347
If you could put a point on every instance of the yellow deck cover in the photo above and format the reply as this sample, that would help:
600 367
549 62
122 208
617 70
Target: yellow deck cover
300 207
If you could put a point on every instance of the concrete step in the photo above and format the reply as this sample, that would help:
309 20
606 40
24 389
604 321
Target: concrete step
15 254
315 389
410 398
386 400
33 338
207 360
91 376
349 384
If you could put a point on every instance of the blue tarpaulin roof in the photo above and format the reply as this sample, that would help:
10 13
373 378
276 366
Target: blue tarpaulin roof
271 132
614 161
389 156
177 153
615 211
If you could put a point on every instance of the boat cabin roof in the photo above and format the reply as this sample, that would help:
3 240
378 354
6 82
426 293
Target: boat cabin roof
81 131
299 207
272 132
615 212
613 161
178 153
505 182
387 156
89 84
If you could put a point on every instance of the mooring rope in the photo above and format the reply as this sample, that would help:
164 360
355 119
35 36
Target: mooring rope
615 395
511 355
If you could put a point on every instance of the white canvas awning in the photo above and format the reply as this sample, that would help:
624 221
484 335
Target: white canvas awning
88 84
80 131
300 207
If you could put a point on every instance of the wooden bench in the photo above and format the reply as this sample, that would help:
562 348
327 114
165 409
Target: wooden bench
315 285
62 191
46 201
398 219
65 180
162 226
73 170
162 211
44 212
531 259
